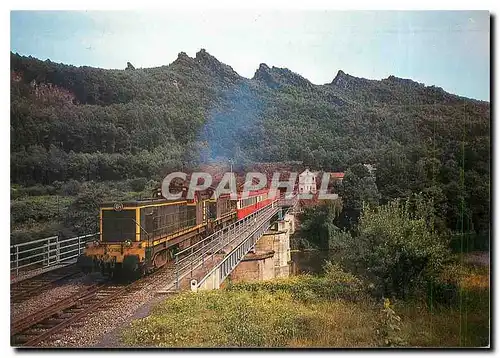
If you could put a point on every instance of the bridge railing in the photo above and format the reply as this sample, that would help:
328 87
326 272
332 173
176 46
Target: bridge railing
46 252
222 270
187 260
288 200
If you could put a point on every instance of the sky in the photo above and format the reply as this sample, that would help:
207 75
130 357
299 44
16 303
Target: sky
449 49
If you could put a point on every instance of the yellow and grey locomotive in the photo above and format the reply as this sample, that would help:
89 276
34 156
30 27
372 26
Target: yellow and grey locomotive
140 236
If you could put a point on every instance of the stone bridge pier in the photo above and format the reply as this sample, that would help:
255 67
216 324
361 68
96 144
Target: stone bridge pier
270 257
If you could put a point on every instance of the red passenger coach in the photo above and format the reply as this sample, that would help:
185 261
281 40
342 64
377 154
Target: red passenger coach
254 201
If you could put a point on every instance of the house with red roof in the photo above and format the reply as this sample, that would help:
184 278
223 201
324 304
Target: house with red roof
337 176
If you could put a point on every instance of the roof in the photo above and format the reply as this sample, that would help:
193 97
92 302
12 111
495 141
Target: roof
136 203
307 172
337 175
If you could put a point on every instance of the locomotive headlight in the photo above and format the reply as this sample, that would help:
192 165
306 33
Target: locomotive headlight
96 243
128 243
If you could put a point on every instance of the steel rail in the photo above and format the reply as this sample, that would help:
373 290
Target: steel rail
26 322
23 290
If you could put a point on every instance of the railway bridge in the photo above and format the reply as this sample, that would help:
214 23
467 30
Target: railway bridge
255 247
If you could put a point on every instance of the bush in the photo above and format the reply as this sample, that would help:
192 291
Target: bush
138 184
72 187
441 292
468 242
34 232
396 247
334 273
38 209
36 190
309 288
389 329
82 215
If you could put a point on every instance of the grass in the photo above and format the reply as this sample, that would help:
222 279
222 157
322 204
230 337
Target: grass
252 319
311 311
464 325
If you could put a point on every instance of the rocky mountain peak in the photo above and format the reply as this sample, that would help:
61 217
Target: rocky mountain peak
212 63
342 79
204 56
403 82
276 77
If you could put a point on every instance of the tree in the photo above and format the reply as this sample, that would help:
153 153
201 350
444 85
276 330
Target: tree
82 215
85 123
138 184
358 189
396 246
317 223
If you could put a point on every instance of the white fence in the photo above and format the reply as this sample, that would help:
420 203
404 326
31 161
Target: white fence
46 252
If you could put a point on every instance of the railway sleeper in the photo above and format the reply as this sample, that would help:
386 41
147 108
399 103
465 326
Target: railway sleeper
105 293
46 326
91 301
54 321
34 331
108 305
103 296
66 315
21 339
78 324
73 311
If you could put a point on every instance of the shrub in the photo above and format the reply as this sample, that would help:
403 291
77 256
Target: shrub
38 209
389 328
308 288
72 187
138 184
36 190
441 292
396 247
34 232
334 273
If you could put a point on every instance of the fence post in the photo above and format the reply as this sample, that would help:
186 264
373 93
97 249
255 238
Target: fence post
17 260
202 254
79 246
57 250
46 254
177 272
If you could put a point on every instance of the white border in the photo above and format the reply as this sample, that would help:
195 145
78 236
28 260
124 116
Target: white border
191 4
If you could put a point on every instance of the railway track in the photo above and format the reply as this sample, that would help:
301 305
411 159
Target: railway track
25 289
29 331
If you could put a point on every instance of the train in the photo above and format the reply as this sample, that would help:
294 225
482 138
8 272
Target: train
138 237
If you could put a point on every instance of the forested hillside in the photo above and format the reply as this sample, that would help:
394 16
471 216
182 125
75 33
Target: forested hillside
74 125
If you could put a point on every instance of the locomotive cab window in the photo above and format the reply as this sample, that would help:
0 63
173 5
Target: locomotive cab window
118 226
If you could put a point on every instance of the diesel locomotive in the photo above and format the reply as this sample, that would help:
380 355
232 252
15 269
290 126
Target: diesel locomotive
138 237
